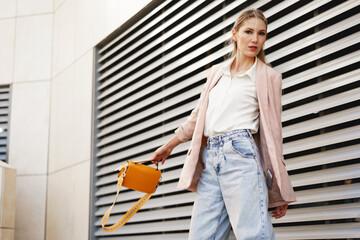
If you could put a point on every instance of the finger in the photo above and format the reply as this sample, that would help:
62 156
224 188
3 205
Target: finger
280 215
153 158
155 161
275 214
276 211
163 161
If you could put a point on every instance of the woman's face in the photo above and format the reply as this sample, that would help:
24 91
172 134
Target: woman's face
250 37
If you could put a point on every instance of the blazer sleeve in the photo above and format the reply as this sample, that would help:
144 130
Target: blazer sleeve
185 131
278 111
278 95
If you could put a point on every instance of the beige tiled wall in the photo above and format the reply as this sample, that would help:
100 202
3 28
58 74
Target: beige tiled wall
30 207
34 38
29 127
70 128
26 7
68 203
64 36
47 56
7 9
27 62
7 43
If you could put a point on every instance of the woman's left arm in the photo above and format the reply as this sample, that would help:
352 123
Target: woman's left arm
280 211
277 96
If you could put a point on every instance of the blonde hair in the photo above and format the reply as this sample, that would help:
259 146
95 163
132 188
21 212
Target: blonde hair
246 14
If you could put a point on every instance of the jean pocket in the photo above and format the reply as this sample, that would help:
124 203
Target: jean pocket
242 147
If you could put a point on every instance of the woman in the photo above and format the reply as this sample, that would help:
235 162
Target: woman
235 161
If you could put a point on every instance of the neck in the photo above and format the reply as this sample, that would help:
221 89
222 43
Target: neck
241 64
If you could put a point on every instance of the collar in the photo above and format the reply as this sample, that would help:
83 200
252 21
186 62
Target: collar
251 72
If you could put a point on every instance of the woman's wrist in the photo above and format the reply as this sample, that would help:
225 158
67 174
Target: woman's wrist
172 143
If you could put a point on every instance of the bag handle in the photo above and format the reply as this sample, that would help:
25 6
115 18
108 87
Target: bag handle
129 213
138 161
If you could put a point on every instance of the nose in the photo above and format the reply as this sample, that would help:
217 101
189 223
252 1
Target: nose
254 38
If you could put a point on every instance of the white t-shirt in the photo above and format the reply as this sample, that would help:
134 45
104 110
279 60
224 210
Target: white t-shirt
233 104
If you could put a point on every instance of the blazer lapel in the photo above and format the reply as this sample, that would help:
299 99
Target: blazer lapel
216 79
262 87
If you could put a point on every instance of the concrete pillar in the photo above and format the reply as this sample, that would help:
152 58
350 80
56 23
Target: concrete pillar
7 201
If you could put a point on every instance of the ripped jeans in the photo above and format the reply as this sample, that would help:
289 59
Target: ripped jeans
232 191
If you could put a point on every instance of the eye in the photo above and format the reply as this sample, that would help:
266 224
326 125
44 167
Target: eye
248 31
262 33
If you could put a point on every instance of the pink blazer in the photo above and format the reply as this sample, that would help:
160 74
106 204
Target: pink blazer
268 139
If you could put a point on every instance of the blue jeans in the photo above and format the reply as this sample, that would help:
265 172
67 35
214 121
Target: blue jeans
232 191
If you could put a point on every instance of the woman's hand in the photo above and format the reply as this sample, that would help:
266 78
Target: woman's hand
164 151
280 211
161 154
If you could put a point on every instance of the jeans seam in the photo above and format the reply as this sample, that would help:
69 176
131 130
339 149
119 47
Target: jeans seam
261 193
218 222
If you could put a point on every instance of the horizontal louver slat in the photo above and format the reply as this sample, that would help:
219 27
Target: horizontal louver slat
332 231
174 17
322 69
131 28
322 104
325 157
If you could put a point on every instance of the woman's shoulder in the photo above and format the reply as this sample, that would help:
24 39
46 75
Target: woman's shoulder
271 71
218 66
216 69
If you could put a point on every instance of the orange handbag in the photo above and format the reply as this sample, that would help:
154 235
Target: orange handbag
136 176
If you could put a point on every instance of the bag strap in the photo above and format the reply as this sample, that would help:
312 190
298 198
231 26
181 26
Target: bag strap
129 213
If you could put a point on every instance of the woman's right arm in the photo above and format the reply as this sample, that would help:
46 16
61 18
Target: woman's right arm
164 151
183 133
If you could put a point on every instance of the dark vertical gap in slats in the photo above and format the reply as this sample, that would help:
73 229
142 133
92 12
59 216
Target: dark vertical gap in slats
5 99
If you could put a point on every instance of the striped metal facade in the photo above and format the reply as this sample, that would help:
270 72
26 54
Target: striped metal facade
148 78
4 121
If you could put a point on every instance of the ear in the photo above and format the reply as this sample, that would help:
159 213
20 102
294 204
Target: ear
234 35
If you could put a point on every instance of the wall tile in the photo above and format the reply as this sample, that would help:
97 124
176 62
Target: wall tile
30 207
7 8
86 25
71 104
33 48
7 30
29 127
64 36
71 188
26 7
57 4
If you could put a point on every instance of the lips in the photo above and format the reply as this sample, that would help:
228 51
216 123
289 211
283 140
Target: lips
253 47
